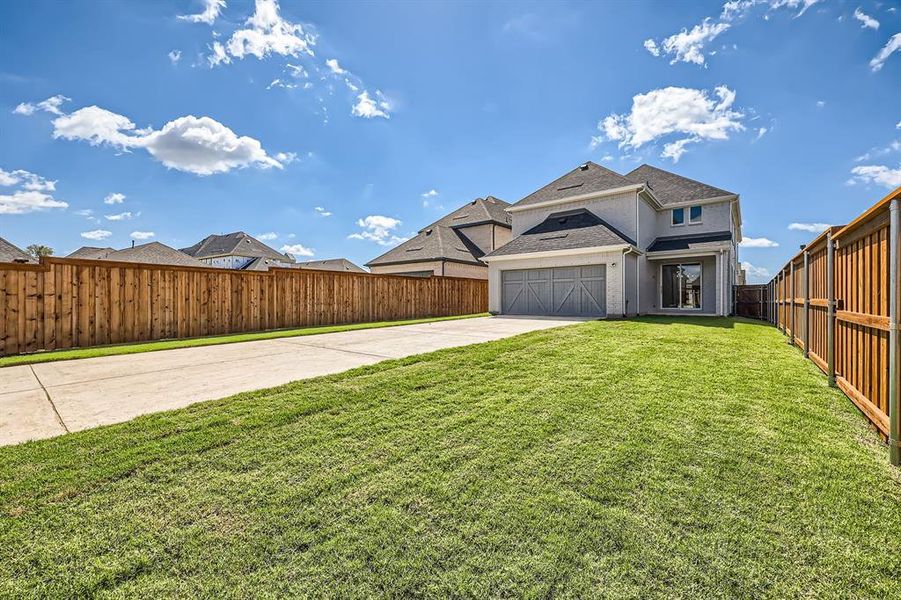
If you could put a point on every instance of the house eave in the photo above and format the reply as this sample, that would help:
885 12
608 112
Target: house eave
553 253
710 251
578 198
477 263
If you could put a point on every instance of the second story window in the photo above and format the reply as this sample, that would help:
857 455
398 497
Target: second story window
694 214
678 216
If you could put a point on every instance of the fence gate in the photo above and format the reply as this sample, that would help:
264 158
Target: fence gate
752 301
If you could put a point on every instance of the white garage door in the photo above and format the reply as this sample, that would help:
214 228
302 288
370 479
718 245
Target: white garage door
558 291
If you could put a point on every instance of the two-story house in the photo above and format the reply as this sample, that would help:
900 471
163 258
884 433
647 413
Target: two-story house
452 246
237 250
597 243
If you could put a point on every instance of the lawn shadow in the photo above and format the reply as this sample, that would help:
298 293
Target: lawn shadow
720 322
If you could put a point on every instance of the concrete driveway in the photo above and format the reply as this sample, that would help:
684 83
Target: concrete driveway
45 400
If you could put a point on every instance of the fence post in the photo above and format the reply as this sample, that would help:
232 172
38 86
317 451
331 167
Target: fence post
830 309
791 302
806 304
894 324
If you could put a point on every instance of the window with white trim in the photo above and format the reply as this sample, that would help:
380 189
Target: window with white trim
678 216
694 214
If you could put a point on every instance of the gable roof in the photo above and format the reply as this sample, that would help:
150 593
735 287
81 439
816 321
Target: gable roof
670 188
236 243
445 239
9 252
91 253
152 253
565 230
698 241
587 178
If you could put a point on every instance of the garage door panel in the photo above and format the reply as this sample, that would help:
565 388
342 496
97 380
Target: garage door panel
559 291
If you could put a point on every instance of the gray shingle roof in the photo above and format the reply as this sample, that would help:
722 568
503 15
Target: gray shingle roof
584 179
91 253
12 253
445 239
566 230
698 241
331 264
157 254
670 188
237 243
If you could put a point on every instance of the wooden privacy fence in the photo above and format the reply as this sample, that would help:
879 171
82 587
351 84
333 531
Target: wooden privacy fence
66 303
838 300
752 301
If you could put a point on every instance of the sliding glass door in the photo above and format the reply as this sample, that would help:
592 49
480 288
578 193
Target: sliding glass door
681 286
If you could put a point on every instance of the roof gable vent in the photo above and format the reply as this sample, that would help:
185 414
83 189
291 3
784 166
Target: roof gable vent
583 167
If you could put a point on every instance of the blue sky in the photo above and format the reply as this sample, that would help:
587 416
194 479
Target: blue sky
328 124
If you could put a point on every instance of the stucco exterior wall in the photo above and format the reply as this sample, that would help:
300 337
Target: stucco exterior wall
502 235
714 217
709 287
613 260
618 210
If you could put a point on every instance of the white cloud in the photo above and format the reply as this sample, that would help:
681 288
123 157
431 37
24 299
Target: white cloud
271 235
792 4
755 272
23 201
97 234
266 33
898 125
760 242
286 158
651 46
174 56
123 216
379 229
198 145
84 212
322 212
334 67
876 174
297 250
688 45
211 10
114 198
26 180
866 21
891 46
142 235
674 110
368 108
821 103
31 193
809 227
430 194
762 131
894 146
50 105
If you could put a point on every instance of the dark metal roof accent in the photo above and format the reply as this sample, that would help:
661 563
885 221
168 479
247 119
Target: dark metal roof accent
700 241
567 230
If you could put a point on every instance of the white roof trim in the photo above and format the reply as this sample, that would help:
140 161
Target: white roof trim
709 251
552 253
579 198
715 200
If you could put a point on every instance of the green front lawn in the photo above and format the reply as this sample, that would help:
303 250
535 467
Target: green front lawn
213 340
670 458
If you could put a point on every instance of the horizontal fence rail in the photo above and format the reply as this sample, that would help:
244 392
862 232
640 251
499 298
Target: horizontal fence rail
838 301
67 303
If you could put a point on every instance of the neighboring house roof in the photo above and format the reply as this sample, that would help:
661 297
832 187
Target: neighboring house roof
153 253
445 240
237 243
670 188
699 241
566 230
12 253
91 253
331 264
585 179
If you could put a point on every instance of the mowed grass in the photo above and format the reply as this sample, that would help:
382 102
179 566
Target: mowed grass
213 340
634 459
